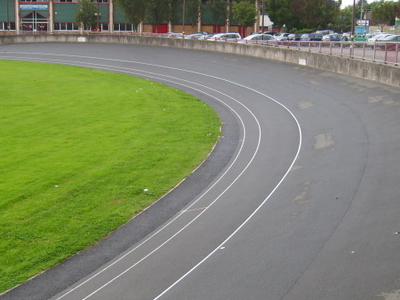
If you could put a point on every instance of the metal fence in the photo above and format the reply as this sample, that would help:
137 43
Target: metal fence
379 52
385 53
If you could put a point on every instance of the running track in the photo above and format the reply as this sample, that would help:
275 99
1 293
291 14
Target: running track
300 199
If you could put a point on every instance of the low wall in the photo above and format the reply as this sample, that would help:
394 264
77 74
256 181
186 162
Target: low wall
382 73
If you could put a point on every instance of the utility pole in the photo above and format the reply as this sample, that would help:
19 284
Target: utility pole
183 17
353 20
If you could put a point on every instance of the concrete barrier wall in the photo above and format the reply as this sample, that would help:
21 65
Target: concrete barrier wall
382 73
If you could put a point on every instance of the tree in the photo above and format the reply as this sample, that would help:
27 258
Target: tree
280 13
192 11
384 12
244 12
397 9
175 11
134 10
86 15
343 23
218 11
316 14
158 12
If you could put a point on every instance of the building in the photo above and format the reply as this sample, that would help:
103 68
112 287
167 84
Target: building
58 16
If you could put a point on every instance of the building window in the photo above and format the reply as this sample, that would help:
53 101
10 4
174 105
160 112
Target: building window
7 26
123 27
65 26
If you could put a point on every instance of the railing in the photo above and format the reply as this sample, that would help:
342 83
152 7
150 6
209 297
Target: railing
380 52
385 53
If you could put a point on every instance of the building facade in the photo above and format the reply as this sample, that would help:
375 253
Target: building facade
56 16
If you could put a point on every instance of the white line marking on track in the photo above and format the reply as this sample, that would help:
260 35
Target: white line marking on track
244 223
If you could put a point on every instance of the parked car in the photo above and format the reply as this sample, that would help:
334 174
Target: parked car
281 36
261 38
325 32
294 36
206 36
228 37
311 37
389 43
176 35
369 35
359 37
307 38
371 41
332 37
194 36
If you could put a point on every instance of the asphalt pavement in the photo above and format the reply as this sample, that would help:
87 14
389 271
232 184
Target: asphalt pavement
299 200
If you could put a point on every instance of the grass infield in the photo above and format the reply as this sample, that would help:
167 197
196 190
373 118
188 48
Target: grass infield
81 152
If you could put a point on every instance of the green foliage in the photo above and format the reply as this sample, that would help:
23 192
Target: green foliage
218 10
164 11
244 12
158 12
316 14
175 11
78 159
86 14
279 11
304 30
385 11
192 11
343 23
291 14
135 11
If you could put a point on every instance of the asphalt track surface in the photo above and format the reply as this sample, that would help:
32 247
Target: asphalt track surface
299 200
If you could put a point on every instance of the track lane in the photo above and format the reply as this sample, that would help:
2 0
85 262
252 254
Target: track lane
287 247
251 157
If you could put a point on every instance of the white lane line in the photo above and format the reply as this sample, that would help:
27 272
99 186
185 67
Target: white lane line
248 88
171 221
114 69
265 200
214 201
221 246
243 126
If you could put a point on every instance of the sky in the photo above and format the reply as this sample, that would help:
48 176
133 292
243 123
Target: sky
350 2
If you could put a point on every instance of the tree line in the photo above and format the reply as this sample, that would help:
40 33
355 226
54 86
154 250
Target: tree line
221 12
306 15
290 15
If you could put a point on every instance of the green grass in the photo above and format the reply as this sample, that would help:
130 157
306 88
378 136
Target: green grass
79 148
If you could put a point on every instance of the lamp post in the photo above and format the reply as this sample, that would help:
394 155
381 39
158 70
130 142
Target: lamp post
262 16
8 17
98 15
353 20
183 17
